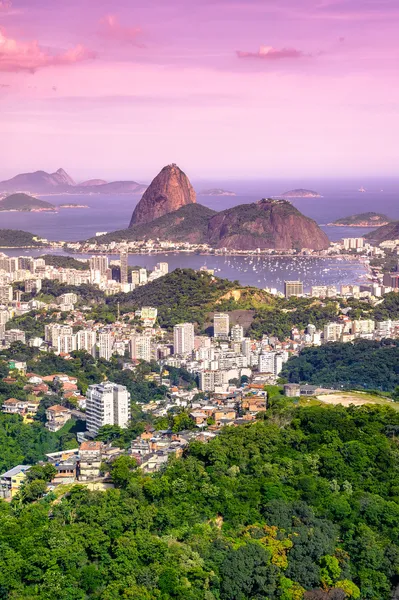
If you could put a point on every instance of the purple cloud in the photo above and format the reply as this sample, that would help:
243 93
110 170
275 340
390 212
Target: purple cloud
270 53
111 29
18 56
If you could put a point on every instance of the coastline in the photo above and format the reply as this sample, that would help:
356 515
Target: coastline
359 225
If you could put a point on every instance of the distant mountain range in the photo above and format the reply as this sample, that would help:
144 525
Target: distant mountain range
62 183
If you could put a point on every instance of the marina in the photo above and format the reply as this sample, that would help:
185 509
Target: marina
258 271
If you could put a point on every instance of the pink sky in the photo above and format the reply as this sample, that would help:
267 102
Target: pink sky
225 88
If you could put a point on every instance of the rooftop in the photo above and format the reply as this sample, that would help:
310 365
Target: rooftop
15 471
90 446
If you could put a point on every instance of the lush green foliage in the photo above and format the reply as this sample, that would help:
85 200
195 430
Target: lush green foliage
183 295
188 223
15 238
363 364
278 319
304 500
24 202
373 218
51 289
22 443
65 262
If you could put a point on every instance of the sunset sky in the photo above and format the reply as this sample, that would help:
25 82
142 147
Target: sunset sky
225 88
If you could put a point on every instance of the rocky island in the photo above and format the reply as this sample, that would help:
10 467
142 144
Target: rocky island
216 192
168 211
73 206
301 193
367 219
25 203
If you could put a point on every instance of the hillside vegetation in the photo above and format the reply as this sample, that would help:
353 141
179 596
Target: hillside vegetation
14 238
187 295
304 505
363 364
24 202
188 224
367 219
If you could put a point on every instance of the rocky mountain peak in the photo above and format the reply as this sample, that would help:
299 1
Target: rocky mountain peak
62 177
169 191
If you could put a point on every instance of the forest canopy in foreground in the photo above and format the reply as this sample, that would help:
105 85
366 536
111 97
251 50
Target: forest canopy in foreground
307 499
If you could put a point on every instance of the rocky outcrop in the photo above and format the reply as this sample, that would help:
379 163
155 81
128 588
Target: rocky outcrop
169 191
265 224
188 224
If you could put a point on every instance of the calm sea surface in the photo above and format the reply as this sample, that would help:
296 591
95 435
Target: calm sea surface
340 198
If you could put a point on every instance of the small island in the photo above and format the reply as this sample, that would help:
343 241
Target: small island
216 192
25 203
367 219
301 193
73 206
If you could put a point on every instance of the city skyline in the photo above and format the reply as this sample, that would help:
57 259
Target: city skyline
226 88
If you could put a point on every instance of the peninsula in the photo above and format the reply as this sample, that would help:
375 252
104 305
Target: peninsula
367 219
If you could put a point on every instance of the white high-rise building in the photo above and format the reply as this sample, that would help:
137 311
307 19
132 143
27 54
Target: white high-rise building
66 344
162 267
333 332
221 325
4 316
105 344
237 333
107 404
143 276
53 331
266 362
87 340
183 338
140 347
5 294
124 256
99 263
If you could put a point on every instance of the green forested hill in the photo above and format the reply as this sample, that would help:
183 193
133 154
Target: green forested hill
14 238
306 500
363 364
187 295
24 202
